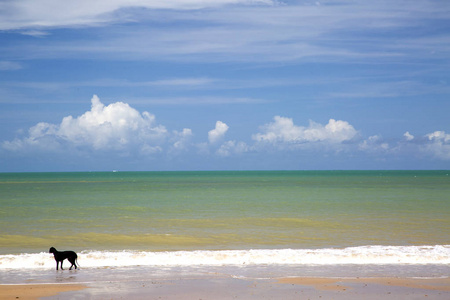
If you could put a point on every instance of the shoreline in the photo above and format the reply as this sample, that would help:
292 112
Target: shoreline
211 286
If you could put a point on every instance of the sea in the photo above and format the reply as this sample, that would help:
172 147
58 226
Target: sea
245 224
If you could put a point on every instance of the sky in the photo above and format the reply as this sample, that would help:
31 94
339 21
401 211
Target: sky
135 85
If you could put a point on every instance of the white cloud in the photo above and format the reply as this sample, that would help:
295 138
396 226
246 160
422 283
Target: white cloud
408 136
114 127
240 32
55 13
35 33
150 150
438 145
110 126
439 136
215 135
232 147
284 131
119 128
180 140
374 144
435 144
227 148
41 137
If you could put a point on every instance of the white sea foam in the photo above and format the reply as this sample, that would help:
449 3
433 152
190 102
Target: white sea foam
439 254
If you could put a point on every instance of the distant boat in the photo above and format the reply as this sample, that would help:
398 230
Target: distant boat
115 171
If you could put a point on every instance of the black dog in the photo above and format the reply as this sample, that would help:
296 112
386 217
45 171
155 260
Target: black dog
60 256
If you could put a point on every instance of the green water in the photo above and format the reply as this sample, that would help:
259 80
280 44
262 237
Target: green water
222 210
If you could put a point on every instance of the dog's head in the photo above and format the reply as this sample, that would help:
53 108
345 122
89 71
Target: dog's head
52 250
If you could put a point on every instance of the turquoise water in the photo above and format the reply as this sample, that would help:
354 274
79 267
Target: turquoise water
172 211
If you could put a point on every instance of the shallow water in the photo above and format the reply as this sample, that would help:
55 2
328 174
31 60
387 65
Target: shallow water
223 210
153 212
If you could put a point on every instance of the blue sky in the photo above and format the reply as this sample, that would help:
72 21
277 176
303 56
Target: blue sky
224 85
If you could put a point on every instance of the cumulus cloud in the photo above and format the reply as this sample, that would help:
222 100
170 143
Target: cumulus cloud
435 144
232 147
408 136
215 135
121 129
284 131
222 148
113 127
439 136
374 144
438 144
181 140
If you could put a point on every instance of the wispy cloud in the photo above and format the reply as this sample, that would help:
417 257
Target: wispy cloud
53 13
353 30
9 66
173 82
180 82
35 33
384 88
198 100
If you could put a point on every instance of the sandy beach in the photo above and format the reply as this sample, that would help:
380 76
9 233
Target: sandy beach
236 288
36 291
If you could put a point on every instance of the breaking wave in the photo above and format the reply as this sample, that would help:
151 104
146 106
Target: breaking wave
439 254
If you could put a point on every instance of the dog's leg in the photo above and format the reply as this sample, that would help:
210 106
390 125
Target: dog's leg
57 263
72 261
61 264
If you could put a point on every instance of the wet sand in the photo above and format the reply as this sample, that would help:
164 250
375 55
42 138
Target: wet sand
441 284
374 288
36 291
219 288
